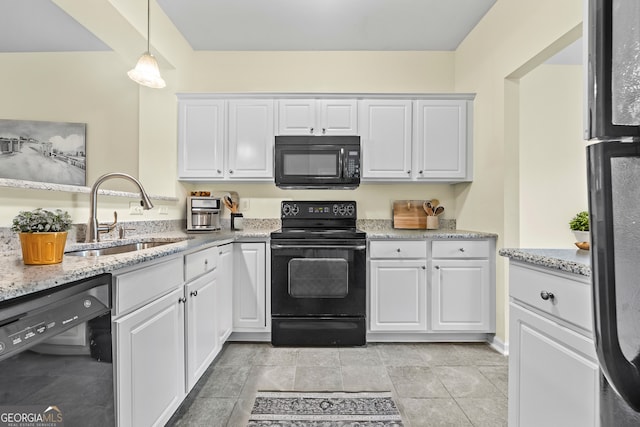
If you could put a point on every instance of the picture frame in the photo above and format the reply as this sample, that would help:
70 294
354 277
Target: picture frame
42 151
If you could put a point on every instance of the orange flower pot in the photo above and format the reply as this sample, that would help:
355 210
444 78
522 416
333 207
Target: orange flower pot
43 248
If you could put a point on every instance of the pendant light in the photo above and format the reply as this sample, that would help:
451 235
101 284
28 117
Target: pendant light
146 71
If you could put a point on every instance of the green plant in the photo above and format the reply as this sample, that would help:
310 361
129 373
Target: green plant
580 222
40 220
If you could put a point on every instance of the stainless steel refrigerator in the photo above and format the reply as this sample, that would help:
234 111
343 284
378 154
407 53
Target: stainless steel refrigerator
613 124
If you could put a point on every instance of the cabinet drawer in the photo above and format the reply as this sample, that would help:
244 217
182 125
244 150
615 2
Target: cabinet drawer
200 262
398 249
460 249
571 300
138 287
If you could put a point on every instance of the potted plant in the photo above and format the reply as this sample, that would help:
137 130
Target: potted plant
43 235
579 224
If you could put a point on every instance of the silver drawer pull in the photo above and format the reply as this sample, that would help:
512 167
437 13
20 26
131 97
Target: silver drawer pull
461 249
437 267
546 295
398 250
194 293
182 300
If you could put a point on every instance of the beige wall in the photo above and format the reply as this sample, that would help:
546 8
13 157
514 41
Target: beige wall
512 38
553 168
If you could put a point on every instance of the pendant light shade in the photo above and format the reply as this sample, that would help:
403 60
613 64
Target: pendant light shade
146 71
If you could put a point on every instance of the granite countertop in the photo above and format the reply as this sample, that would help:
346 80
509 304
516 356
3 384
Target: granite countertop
383 229
18 279
575 261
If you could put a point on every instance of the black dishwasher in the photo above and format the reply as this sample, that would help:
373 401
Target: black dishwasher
56 357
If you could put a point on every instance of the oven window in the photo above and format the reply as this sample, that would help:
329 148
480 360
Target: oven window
318 278
310 164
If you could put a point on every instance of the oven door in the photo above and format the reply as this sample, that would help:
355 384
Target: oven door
313 278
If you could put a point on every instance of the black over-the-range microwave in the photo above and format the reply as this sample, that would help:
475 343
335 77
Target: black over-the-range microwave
317 162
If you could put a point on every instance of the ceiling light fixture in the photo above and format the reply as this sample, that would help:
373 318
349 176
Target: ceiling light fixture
146 71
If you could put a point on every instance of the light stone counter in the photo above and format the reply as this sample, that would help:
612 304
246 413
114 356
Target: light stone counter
383 229
17 279
574 261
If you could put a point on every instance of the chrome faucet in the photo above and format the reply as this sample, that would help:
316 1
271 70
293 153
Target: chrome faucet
94 228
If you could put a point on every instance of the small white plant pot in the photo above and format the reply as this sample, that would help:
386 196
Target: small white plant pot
581 236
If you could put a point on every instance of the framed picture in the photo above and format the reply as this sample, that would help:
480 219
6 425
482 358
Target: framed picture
52 152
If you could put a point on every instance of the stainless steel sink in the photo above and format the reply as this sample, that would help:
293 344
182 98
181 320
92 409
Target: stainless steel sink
121 249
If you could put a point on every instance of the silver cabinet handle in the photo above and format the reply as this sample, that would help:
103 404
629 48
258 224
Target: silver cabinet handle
437 267
194 293
230 171
398 250
461 249
310 130
424 268
547 295
219 171
409 172
206 261
182 300
324 131
420 172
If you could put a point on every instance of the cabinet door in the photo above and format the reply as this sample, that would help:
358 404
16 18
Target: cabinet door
385 131
460 295
224 301
249 289
338 117
201 138
251 139
150 362
202 329
553 374
441 140
398 295
296 116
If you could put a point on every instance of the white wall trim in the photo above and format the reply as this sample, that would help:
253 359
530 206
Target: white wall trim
499 345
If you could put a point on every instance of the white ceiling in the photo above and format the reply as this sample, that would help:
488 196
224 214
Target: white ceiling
41 26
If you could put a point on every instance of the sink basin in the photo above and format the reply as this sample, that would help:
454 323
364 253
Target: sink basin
121 249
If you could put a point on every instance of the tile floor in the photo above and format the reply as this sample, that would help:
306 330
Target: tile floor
433 384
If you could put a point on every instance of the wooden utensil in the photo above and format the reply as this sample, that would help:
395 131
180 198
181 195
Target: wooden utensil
427 208
434 203
439 210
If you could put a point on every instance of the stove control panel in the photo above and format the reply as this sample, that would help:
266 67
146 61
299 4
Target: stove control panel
318 210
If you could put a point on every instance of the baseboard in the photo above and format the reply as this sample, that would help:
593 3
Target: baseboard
499 345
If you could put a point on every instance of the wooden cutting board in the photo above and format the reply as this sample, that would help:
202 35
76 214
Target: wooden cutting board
409 214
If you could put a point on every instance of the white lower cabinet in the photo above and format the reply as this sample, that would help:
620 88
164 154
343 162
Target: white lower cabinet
398 295
224 300
398 286
249 293
460 295
451 291
553 369
203 343
170 321
150 362
462 291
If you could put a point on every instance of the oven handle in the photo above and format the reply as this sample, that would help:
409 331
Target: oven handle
354 247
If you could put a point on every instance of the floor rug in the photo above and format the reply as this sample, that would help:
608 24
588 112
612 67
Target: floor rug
332 409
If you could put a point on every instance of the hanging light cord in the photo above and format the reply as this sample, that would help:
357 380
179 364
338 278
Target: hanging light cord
148 25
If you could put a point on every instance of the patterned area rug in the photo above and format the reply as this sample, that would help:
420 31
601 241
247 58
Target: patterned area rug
336 409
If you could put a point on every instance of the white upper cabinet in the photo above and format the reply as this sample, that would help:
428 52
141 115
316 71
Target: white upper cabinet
442 151
201 138
317 117
385 132
251 139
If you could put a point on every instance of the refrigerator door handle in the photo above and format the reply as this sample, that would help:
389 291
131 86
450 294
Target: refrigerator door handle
623 375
